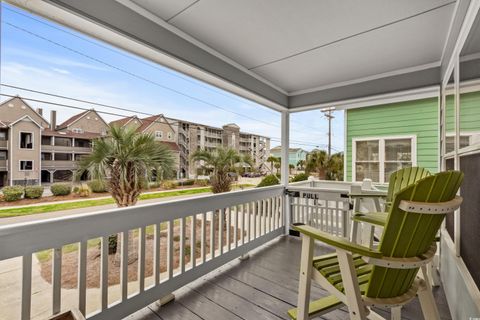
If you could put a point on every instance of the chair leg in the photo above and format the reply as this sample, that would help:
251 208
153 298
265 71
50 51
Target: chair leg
305 277
356 308
396 313
427 301
354 232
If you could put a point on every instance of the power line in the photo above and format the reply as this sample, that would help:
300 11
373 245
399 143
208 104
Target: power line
166 71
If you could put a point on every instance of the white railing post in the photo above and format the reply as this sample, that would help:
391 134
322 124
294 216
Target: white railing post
285 127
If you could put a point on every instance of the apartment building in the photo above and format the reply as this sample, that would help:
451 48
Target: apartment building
34 150
159 127
193 136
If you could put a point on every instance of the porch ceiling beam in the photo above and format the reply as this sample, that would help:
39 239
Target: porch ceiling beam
159 44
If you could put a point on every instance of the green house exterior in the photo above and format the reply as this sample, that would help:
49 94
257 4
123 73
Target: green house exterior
415 118
418 119
294 154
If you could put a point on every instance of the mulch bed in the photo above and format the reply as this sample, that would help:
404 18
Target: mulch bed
70 260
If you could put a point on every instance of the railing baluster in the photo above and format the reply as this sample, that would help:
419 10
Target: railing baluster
337 218
182 245
248 216
124 265
26 286
193 240
141 259
56 280
228 212
264 215
104 273
170 250
244 207
82 276
253 215
156 253
204 237
221 213
212 235
235 226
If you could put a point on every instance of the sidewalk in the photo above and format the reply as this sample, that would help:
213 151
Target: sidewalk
55 214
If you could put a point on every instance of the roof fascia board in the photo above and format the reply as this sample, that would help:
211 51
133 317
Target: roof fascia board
365 90
463 19
85 113
29 106
25 116
114 23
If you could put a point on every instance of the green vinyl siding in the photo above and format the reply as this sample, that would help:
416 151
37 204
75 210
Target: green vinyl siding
411 118
469 112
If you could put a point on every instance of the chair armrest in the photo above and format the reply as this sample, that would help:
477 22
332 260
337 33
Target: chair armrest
338 242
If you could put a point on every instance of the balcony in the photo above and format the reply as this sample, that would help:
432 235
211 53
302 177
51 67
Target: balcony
3 144
59 164
3 164
68 149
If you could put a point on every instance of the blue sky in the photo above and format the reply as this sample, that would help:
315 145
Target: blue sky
41 55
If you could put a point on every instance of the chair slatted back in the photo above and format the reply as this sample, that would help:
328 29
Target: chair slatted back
409 234
402 178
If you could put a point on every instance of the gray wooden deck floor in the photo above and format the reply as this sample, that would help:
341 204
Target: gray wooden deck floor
262 287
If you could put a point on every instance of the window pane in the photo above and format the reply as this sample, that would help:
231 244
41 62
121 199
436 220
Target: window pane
392 167
367 150
367 170
398 150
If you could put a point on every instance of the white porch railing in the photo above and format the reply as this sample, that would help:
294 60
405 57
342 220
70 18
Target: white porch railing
253 217
326 209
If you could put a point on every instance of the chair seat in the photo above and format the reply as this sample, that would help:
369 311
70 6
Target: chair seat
329 267
375 218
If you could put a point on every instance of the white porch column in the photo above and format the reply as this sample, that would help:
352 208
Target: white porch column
285 127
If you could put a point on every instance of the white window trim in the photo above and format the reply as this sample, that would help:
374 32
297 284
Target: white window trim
159 136
381 153
20 140
77 130
20 167
170 136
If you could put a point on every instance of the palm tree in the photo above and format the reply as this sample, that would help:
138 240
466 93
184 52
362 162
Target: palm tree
290 168
335 167
273 160
221 163
301 164
317 162
126 159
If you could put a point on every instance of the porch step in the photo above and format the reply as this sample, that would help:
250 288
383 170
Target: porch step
318 307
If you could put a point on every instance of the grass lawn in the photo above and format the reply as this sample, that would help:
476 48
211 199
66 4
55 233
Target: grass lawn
5 213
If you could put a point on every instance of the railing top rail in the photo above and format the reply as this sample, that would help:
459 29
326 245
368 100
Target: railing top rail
317 190
55 232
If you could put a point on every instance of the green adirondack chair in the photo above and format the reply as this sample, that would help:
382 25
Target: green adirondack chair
361 277
398 180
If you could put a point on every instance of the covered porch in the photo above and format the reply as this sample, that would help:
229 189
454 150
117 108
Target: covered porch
364 54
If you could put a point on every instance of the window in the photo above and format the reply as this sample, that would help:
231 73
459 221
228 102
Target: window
3 155
26 140
170 136
159 134
46 156
26 165
63 157
378 158
46 140
465 141
3 135
77 130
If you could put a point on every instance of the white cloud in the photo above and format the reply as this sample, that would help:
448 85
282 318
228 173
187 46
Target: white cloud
62 71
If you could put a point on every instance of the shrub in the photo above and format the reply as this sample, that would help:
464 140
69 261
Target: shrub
97 186
188 182
76 189
154 184
202 182
269 180
33 192
167 184
12 193
300 177
83 190
61 189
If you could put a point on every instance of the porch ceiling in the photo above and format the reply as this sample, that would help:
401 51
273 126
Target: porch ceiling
288 52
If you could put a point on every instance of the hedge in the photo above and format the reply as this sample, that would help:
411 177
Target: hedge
61 189
300 177
12 193
97 186
269 180
33 192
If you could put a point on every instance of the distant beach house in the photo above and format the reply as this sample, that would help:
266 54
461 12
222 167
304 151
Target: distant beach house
294 154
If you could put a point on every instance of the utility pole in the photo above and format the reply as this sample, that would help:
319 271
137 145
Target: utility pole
327 112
